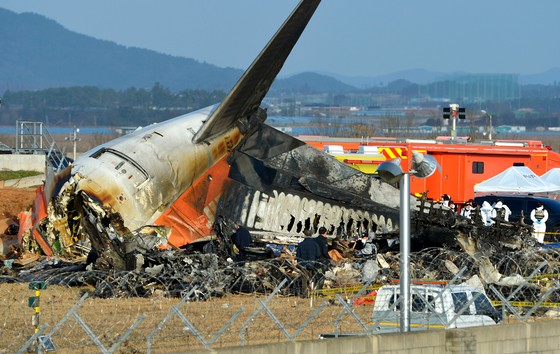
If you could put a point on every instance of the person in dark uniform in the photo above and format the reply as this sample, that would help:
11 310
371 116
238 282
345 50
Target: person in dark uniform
241 239
308 256
308 252
322 241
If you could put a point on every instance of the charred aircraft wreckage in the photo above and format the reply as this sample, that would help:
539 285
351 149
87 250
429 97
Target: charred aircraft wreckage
139 201
163 185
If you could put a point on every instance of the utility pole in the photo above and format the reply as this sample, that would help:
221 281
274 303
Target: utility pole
74 137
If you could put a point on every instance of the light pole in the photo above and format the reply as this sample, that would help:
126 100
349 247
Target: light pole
490 123
423 166
454 112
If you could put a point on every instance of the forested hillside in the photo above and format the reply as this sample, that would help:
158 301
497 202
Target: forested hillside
39 53
92 106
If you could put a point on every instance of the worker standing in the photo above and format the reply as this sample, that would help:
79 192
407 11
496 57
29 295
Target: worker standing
539 216
501 211
445 199
467 209
308 252
241 239
367 243
486 213
308 256
453 206
323 243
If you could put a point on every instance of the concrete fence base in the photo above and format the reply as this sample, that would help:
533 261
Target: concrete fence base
536 337
23 163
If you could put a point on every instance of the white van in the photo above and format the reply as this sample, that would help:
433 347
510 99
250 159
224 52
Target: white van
434 306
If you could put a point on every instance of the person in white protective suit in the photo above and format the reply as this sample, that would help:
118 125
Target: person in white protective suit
486 214
467 209
539 216
501 211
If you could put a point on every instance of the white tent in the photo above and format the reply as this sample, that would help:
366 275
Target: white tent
552 176
516 179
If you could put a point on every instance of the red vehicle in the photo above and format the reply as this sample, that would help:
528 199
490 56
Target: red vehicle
463 163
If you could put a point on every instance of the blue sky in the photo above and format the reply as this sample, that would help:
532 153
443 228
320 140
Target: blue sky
348 37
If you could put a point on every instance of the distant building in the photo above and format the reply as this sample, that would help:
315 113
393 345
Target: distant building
475 88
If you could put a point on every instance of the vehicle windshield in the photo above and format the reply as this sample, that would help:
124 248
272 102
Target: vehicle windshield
485 308
460 299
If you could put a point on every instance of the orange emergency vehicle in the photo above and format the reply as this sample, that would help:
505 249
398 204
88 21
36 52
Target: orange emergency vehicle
463 163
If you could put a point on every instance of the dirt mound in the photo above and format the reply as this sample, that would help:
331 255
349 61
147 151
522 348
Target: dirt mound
14 200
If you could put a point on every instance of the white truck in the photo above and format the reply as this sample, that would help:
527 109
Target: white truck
431 307
434 306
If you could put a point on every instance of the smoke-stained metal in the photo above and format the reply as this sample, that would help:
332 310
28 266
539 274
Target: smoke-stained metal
281 182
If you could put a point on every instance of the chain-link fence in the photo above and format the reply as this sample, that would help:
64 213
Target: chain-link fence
261 302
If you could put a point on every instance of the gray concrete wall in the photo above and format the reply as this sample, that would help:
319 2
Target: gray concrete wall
22 163
25 182
542 337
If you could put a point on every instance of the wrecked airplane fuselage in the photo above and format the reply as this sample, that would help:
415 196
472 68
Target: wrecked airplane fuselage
163 185
272 182
118 188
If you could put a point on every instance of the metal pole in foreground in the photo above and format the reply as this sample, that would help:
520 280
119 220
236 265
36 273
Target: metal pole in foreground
405 251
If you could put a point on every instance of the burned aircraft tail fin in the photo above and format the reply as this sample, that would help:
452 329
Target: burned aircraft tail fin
246 96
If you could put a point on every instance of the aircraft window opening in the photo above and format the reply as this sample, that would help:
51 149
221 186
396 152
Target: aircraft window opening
125 157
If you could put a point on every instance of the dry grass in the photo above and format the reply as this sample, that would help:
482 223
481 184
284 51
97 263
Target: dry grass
108 319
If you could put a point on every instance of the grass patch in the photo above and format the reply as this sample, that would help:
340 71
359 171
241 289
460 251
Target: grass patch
7 175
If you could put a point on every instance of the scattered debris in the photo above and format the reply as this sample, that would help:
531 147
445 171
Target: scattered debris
503 256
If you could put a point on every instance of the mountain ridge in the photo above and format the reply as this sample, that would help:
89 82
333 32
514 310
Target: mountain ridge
39 53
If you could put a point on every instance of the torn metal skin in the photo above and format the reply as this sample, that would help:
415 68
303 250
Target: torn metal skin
283 185
118 189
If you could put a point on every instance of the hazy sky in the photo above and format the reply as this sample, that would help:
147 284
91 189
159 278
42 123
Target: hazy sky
349 37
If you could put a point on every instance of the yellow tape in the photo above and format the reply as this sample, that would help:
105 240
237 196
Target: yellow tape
349 289
417 325
553 305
